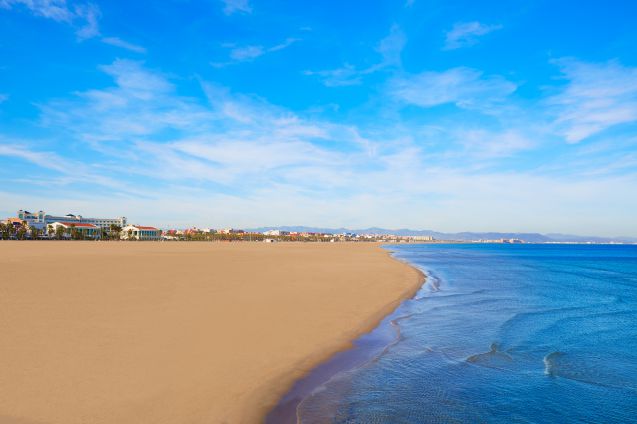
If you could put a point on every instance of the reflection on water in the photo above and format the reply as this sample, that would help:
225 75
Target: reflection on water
499 334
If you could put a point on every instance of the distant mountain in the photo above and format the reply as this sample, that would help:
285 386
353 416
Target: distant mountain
592 239
463 236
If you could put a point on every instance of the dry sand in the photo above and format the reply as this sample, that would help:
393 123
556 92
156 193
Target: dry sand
142 332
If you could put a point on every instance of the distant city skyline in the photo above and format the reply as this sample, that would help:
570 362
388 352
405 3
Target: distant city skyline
471 116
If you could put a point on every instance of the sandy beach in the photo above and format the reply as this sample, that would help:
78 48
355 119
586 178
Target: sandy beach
142 332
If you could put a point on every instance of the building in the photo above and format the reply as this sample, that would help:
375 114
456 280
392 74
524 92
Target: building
230 231
422 238
15 222
276 233
41 220
138 232
86 230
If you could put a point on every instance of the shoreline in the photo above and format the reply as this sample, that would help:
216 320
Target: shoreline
140 332
349 356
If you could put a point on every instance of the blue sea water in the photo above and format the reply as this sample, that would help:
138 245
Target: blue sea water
500 334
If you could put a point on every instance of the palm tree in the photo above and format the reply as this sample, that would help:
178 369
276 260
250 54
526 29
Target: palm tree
115 231
50 230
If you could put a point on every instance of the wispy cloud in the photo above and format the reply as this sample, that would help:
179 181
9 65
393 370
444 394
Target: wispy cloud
118 42
137 105
465 87
233 154
89 14
83 16
340 77
237 149
234 6
3 97
51 9
390 49
483 144
47 160
465 34
248 53
595 98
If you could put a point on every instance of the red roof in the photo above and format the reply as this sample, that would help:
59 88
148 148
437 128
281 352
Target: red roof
78 224
139 227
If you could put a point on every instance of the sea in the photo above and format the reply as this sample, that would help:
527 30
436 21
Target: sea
499 333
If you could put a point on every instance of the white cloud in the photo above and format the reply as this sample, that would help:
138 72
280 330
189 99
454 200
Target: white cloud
83 16
131 76
465 34
392 46
89 15
483 144
238 160
68 171
251 52
285 44
3 97
596 97
51 9
444 200
234 6
235 139
118 42
246 53
140 103
340 77
464 87
43 159
390 49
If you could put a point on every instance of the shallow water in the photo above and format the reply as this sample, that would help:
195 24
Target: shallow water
498 334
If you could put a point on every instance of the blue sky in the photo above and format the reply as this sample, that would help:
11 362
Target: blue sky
465 115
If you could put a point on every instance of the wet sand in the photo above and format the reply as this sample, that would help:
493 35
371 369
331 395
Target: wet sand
142 332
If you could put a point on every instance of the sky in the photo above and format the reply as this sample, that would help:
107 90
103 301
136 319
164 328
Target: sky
423 114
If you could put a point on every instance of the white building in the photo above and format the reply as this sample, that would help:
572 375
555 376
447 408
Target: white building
138 232
87 230
41 220
230 231
422 238
276 233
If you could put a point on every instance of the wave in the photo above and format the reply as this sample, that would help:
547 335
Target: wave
494 358
550 362
576 368
528 328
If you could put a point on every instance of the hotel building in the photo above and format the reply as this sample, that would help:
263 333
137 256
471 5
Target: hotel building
41 220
